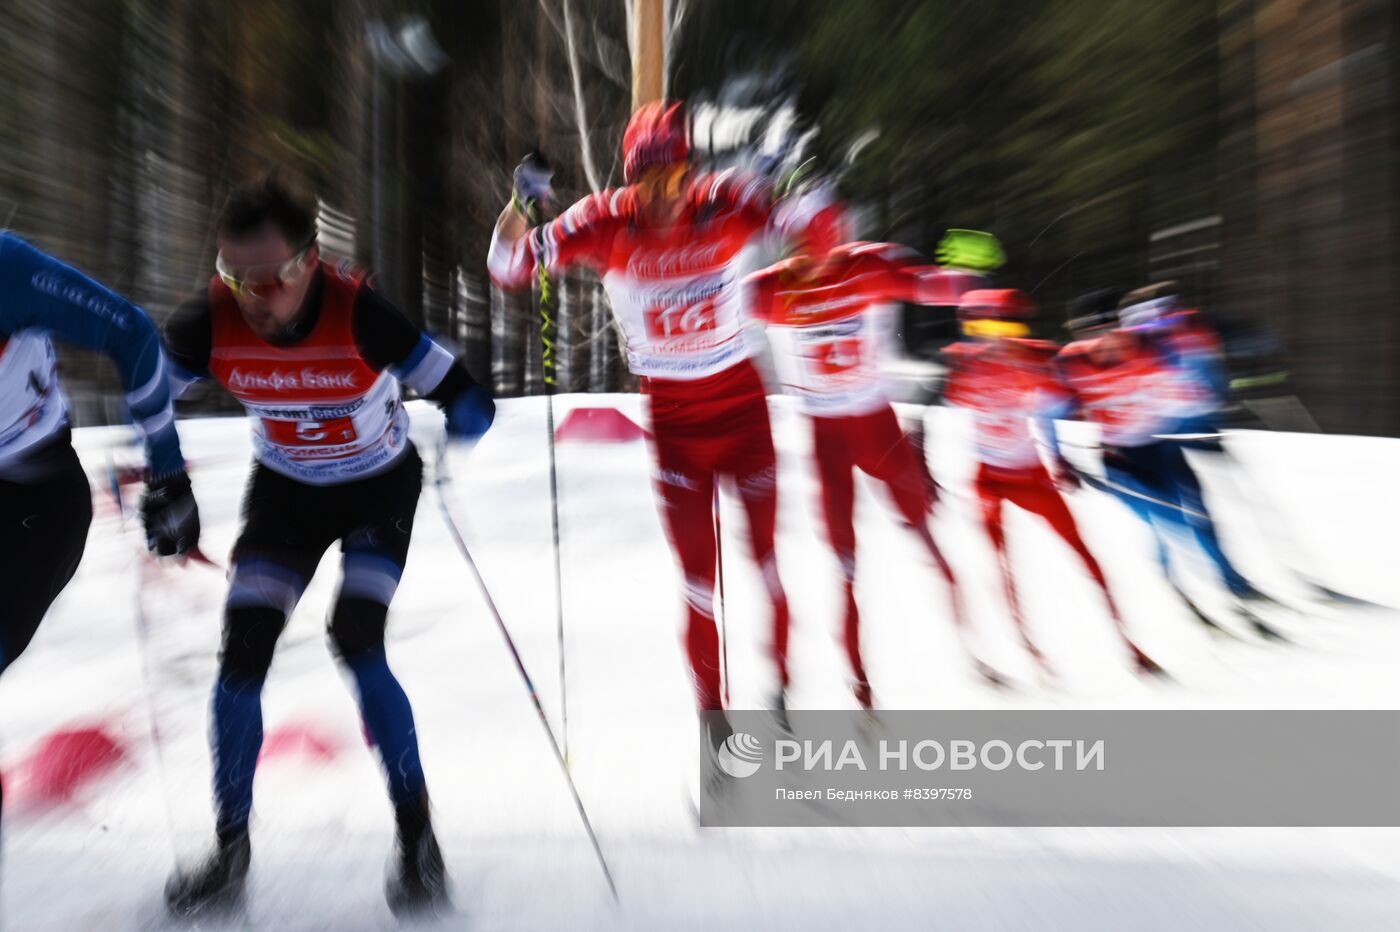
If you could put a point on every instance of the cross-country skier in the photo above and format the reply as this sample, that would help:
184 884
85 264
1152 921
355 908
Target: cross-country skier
1007 381
1141 394
317 357
818 306
672 247
44 493
45 502
1160 311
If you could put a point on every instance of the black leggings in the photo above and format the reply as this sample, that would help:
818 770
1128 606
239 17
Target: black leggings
43 531
288 526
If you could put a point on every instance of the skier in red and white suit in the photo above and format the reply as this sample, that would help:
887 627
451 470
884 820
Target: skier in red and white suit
672 247
826 341
1007 381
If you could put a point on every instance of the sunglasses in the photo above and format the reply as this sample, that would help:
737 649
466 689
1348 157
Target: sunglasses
252 283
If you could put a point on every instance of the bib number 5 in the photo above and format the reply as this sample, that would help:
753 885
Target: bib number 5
311 433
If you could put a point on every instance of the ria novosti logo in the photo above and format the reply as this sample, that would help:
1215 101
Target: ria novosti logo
741 755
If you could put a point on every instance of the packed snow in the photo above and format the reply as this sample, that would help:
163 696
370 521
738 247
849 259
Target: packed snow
130 648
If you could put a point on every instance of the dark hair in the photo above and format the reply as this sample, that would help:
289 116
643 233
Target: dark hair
272 199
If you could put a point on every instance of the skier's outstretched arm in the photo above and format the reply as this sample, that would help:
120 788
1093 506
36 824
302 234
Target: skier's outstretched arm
581 235
38 292
895 273
387 340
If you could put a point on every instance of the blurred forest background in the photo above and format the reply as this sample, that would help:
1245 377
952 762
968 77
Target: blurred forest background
1248 148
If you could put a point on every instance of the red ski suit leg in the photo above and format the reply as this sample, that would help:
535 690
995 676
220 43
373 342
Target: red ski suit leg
875 444
1033 490
702 431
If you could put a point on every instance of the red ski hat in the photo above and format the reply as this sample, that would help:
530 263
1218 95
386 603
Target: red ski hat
827 230
815 219
656 135
996 304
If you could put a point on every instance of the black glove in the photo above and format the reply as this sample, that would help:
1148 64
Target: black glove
532 184
170 515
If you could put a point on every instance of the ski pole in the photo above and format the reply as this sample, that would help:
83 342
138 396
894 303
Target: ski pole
723 625
1116 488
439 482
1104 484
547 305
548 343
143 650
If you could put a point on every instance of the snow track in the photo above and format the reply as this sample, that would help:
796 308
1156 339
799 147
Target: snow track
518 858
